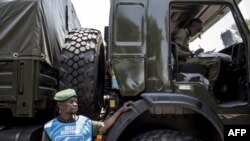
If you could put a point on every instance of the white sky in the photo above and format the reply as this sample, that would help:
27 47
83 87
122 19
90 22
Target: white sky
92 13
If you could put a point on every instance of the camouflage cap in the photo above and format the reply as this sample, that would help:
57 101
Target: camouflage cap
64 94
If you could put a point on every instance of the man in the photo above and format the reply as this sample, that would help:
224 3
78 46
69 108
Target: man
69 126
181 38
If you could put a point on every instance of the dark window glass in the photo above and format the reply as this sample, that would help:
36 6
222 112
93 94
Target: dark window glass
128 24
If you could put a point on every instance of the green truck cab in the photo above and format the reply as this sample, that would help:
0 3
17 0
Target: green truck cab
139 42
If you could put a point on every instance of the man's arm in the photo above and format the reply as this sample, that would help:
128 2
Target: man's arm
182 52
181 43
111 120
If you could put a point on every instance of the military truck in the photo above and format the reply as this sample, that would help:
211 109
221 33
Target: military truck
171 101
32 35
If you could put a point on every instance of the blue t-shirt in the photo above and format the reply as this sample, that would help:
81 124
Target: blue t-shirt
79 130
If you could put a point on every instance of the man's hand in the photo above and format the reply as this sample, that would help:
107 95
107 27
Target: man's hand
111 120
126 106
198 51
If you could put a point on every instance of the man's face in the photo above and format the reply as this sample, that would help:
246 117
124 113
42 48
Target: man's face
195 29
69 106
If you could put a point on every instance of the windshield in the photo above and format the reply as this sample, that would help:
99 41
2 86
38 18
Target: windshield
220 35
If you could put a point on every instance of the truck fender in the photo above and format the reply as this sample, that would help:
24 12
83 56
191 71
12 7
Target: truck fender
170 99
138 107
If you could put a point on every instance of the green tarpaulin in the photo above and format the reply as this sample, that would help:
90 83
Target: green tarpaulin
35 29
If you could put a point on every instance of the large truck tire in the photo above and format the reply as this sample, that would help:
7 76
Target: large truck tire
163 135
83 67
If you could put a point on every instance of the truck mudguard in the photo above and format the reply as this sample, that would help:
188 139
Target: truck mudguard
168 99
